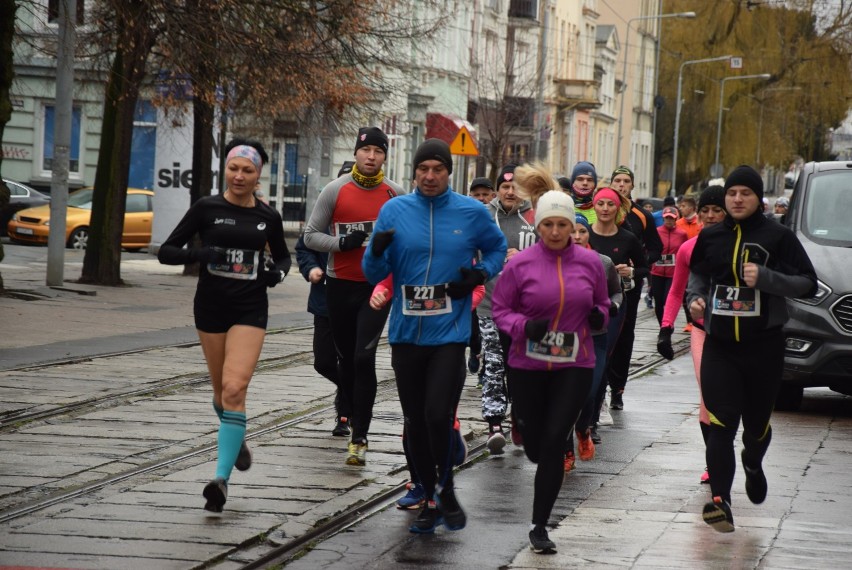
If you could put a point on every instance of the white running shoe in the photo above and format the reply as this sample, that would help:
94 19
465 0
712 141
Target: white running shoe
605 418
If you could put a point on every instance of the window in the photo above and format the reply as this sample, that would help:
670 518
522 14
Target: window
53 11
143 146
137 203
47 137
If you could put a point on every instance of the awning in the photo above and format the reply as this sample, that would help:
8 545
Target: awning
446 127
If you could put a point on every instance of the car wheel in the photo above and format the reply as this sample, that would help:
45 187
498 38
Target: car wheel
789 398
79 238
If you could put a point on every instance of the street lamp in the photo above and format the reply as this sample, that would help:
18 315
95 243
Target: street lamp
721 98
672 191
624 71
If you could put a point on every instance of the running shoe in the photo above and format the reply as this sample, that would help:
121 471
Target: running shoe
473 363
451 511
243 462
616 401
414 499
596 437
427 519
688 327
569 461
605 418
216 493
755 483
540 543
342 427
705 477
585 445
357 454
718 515
460 450
496 440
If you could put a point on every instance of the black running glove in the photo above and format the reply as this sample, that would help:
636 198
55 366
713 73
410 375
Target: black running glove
471 278
613 309
535 330
381 241
270 274
353 240
596 319
664 343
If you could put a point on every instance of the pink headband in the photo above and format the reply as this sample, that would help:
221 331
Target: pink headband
608 193
245 151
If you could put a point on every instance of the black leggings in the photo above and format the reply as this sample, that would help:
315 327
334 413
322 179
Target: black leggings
356 329
429 380
325 361
739 380
546 405
618 366
660 291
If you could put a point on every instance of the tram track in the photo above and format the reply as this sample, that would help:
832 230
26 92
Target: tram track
13 419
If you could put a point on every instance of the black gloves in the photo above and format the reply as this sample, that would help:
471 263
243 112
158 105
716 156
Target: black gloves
470 279
269 273
664 343
535 330
596 319
613 309
380 242
352 240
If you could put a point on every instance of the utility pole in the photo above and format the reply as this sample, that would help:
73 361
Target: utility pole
62 112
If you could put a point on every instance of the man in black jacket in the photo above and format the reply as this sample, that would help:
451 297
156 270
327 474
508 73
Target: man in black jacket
741 270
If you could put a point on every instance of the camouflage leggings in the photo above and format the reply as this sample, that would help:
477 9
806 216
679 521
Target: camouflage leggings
494 400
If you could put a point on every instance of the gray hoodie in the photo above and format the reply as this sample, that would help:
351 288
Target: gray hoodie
518 225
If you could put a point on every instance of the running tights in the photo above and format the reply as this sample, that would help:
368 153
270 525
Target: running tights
739 380
429 380
546 405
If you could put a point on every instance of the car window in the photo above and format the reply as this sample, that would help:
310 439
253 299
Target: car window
81 199
137 203
15 190
829 203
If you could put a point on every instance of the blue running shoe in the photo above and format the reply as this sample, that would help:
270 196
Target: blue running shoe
414 499
460 447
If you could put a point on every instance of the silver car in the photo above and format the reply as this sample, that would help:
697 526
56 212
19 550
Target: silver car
819 332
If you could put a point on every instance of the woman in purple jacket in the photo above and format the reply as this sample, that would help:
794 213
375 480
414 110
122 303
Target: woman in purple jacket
549 299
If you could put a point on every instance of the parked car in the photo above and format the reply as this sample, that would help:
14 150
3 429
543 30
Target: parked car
33 225
819 332
21 197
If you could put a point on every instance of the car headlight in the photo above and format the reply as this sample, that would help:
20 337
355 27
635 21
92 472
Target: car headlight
822 292
15 217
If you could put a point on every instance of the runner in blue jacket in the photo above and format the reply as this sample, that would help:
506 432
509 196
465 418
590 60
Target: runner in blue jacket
428 239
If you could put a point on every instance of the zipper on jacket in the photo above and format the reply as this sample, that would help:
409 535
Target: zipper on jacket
737 278
555 326
428 264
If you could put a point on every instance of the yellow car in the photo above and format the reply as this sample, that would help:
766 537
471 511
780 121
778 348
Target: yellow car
33 224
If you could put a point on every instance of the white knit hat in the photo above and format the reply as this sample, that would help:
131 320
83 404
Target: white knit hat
554 204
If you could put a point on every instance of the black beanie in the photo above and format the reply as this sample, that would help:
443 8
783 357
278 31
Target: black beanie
712 196
668 201
745 175
481 182
507 174
371 136
434 149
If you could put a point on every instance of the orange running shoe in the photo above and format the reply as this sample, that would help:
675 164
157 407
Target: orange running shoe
569 461
585 445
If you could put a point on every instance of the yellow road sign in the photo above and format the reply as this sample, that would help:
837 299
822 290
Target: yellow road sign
463 144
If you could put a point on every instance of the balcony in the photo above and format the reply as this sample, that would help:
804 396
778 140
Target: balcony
578 93
524 9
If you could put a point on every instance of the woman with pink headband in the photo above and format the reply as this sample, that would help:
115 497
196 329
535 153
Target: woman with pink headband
608 237
235 230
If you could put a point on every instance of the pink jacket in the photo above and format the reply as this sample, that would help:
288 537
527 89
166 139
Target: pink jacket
681 276
673 239
562 286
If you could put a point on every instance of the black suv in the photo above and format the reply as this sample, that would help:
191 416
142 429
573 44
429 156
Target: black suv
819 332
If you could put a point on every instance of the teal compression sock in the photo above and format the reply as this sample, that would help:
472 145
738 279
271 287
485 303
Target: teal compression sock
232 430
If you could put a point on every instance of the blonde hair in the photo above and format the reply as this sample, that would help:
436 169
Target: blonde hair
533 180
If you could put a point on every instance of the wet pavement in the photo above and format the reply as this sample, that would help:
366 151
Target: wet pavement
636 505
